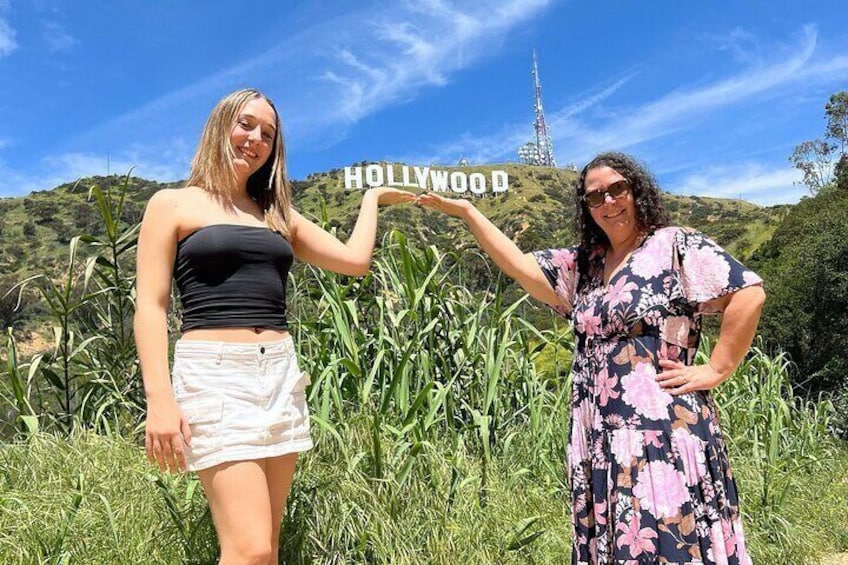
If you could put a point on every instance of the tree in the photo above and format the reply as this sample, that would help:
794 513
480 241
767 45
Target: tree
819 159
805 266
842 172
812 158
836 113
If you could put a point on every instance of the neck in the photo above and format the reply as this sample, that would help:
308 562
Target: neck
241 187
626 243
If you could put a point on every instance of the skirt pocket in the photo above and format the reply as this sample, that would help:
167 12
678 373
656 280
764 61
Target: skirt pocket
204 414
289 415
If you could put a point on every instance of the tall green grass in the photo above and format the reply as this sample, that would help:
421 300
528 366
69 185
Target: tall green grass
440 418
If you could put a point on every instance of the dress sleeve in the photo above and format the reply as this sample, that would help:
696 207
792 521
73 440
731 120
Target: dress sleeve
708 271
560 268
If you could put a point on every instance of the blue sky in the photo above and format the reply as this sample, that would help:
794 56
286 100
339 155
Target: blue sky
713 96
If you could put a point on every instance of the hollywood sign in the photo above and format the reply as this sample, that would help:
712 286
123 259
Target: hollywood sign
424 178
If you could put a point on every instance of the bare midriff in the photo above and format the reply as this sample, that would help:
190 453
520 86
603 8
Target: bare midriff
235 335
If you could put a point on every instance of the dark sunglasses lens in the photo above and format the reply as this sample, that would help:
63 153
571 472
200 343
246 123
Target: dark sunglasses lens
618 189
595 198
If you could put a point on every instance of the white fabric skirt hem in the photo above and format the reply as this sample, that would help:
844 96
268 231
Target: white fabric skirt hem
249 454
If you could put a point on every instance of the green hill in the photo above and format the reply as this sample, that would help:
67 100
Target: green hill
536 212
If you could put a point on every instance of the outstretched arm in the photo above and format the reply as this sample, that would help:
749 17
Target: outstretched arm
522 267
319 248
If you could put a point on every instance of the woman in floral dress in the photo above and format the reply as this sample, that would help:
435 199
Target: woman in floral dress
648 466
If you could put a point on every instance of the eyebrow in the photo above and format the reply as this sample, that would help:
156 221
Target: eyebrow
249 115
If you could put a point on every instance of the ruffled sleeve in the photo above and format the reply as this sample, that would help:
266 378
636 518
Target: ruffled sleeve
707 271
560 268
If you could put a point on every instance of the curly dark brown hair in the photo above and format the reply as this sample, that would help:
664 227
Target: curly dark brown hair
650 213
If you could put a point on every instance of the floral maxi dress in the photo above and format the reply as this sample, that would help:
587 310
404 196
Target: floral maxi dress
649 472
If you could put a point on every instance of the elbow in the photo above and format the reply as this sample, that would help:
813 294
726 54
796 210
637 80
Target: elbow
358 269
755 298
759 296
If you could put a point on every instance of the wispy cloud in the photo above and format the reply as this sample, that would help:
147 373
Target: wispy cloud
419 47
7 34
503 145
683 108
60 168
351 66
57 38
754 182
679 109
743 45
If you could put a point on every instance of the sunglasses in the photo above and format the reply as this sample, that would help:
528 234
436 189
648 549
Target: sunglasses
597 198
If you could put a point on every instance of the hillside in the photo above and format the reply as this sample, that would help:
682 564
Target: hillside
536 212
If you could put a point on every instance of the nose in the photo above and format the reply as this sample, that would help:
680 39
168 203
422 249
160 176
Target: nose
255 134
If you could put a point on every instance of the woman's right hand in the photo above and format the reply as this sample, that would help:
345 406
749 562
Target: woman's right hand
457 207
166 430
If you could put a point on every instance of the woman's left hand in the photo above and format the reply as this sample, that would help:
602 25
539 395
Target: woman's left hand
386 195
679 378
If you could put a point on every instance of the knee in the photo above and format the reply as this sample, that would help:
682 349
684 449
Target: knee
250 552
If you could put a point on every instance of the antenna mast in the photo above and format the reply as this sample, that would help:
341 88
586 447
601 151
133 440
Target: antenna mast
541 151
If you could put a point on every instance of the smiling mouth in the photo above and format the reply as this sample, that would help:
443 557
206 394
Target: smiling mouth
248 153
611 216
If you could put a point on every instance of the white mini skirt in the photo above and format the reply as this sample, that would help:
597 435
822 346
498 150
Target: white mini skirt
242 400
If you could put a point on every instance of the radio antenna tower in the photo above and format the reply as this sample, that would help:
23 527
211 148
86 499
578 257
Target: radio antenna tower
541 151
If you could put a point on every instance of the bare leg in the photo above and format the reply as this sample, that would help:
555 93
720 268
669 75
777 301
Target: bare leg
279 471
241 509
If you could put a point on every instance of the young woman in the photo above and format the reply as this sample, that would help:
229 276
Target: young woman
234 410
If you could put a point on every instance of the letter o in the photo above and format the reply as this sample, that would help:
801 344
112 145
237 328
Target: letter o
477 182
374 175
459 182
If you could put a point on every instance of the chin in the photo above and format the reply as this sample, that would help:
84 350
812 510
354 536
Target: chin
242 167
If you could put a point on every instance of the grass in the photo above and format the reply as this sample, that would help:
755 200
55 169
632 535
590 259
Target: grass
440 417
94 499
336 513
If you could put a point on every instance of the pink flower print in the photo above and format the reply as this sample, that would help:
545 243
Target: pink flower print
620 292
580 503
652 437
719 550
578 448
749 278
705 273
627 444
663 238
637 539
669 351
676 330
661 489
643 393
600 510
606 386
741 551
690 449
563 260
587 323
649 261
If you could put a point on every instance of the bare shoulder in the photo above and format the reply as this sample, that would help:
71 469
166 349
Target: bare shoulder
169 201
168 208
296 220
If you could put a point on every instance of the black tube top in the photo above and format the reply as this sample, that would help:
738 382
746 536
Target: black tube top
231 275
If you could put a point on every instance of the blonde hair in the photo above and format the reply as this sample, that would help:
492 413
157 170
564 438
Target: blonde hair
213 169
